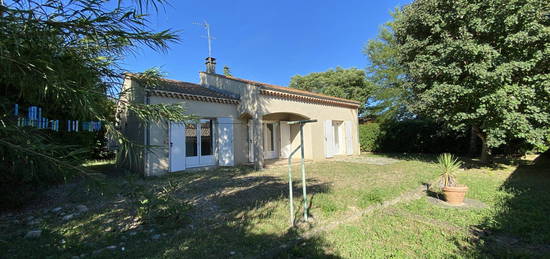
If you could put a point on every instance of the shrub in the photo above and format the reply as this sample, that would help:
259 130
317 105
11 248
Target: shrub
425 136
369 137
421 136
160 206
162 209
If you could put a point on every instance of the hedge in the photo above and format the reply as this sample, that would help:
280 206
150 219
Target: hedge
411 136
369 137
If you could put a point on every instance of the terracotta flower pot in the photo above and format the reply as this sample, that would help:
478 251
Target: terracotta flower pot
455 194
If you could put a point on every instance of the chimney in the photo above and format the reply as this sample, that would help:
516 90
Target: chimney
210 65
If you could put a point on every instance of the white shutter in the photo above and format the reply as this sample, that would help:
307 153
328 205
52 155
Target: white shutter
285 139
349 138
250 141
177 147
329 139
225 141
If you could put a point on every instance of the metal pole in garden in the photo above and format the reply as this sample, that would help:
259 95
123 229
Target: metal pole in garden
304 187
290 192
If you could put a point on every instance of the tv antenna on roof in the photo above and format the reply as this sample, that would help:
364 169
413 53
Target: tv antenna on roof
208 36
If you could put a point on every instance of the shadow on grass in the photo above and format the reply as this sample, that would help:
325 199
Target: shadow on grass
423 157
521 227
230 212
497 162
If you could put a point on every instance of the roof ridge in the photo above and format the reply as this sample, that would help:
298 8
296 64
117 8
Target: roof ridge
136 75
179 82
290 89
182 87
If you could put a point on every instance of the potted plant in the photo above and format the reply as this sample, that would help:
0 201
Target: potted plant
452 191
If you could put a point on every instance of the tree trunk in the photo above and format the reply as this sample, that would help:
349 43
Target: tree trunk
485 150
473 143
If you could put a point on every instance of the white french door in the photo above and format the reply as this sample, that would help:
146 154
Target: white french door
338 137
199 143
206 140
192 145
270 140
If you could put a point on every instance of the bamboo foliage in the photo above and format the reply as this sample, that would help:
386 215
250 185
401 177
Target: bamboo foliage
66 57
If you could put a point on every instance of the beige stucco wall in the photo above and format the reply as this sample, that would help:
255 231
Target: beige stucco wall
158 161
314 133
253 106
130 125
259 106
249 96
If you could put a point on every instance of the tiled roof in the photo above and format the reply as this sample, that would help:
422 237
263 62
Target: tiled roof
186 89
190 88
291 90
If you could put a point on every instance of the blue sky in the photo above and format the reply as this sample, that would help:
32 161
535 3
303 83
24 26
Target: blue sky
266 41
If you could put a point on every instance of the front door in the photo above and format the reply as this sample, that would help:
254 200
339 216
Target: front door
192 145
338 135
270 140
199 144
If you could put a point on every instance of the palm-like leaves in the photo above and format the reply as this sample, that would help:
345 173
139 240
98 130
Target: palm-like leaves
448 164
65 57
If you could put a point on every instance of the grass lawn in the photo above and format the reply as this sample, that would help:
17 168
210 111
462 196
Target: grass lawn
239 212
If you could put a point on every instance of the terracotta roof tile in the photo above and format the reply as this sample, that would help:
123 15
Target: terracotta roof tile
289 90
187 88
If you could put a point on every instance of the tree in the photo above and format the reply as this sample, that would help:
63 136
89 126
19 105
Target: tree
65 56
479 64
386 75
339 82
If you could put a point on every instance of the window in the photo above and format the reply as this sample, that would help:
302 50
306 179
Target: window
206 138
191 140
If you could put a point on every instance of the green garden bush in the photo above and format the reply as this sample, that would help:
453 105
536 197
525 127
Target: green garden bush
411 136
369 137
424 136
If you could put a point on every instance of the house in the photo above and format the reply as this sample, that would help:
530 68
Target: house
241 122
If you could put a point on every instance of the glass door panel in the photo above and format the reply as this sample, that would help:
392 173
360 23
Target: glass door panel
191 145
207 143
206 138
270 140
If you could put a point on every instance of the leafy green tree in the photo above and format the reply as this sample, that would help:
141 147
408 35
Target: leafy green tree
389 98
480 64
65 57
339 82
